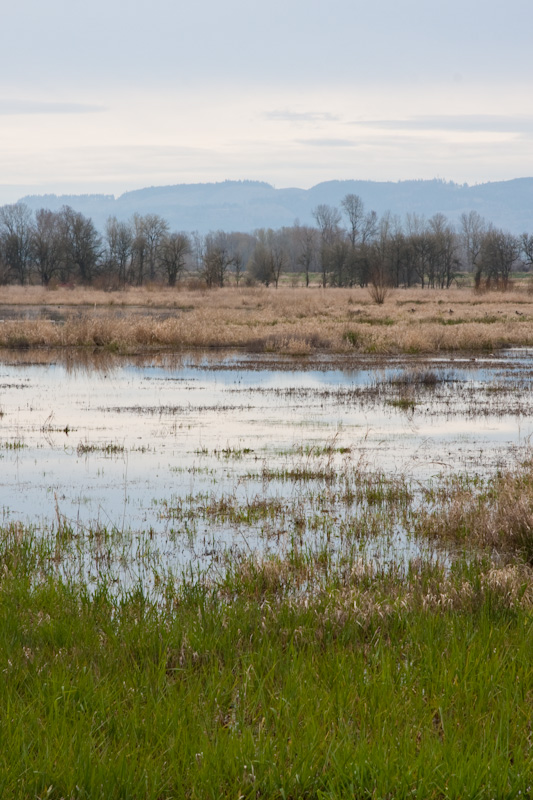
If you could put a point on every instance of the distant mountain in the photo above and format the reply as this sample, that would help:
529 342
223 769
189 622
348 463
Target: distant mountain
247 205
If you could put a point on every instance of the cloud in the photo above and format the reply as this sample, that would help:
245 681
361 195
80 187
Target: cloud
327 142
12 107
476 123
300 116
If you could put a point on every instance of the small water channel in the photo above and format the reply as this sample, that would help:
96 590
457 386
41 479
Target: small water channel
194 454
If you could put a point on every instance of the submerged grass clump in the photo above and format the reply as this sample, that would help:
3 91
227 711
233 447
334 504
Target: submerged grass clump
426 378
403 403
107 448
494 513
16 444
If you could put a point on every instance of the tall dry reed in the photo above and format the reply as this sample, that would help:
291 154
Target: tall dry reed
295 321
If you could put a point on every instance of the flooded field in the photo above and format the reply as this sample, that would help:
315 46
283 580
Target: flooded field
175 462
226 575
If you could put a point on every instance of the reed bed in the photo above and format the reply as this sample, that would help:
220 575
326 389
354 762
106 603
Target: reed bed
292 321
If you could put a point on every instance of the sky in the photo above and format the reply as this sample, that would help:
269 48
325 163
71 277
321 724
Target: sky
104 97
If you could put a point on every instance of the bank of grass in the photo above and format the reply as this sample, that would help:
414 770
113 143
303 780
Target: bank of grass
281 678
296 321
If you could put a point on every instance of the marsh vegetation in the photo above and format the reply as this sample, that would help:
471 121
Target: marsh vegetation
281 677
291 321
256 575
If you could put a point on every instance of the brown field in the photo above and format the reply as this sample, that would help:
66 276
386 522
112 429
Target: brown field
294 321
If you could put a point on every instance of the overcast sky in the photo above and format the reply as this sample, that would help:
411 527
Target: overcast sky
104 96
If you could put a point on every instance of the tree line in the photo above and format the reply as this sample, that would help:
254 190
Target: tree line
347 246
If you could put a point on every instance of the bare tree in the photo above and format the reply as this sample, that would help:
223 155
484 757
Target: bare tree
473 230
526 241
339 262
399 255
500 253
271 255
379 266
240 248
174 249
362 231
119 249
328 219
155 229
420 245
47 245
354 209
16 234
261 266
239 267
82 243
217 258
444 256
306 239
279 257
197 251
139 250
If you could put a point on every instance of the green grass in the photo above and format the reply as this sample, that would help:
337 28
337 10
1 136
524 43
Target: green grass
403 403
314 672
266 682
17 444
352 337
386 321
232 452
109 448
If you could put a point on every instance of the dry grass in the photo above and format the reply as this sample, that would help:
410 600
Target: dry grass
293 321
497 515
365 591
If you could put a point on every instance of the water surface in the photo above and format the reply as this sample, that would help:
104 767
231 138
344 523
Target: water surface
153 445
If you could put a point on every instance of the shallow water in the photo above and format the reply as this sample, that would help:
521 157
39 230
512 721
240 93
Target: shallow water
120 444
